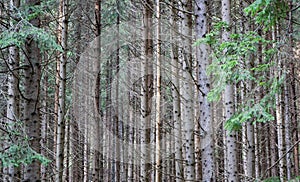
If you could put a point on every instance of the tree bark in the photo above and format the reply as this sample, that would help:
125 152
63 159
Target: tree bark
97 164
280 125
13 102
75 143
176 96
292 93
188 88
158 123
63 40
206 125
31 113
231 150
146 92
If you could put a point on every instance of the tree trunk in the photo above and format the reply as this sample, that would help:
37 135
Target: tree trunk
44 125
287 129
109 120
280 136
117 118
75 143
146 91
62 91
176 96
292 102
250 152
206 125
231 150
97 165
13 106
31 115
131 128
280 125
158 165
249 143
188 95
86 127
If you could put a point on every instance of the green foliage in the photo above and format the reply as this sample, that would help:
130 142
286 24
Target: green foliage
18 150
22 30
296 179
229 66
267 12
277 179
35 12
45 40
230 57
259 111
112 9
18 154
272 179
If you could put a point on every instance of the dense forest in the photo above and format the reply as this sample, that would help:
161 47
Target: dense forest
149 90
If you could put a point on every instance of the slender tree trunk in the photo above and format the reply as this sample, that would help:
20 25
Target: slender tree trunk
109 120
198 162
206 125
62 92
250 149
117 117
280 136
81 116
257 142
147 89
158 164
231 163
294 121
86 125
44 126
137 162
75 143
249 145
231 150
217 117
13 106
244 133
280 125
259 129
273 146
188 88
177 118
97 165
131 129
57 81
31 113
292 92
66 161
287 129
176 97
286 108
278 110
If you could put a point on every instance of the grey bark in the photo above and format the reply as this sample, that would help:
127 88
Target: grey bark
62 91
176 96
12 113
31 113
146 92
206 124
158 123
231 150
187 93
97 164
